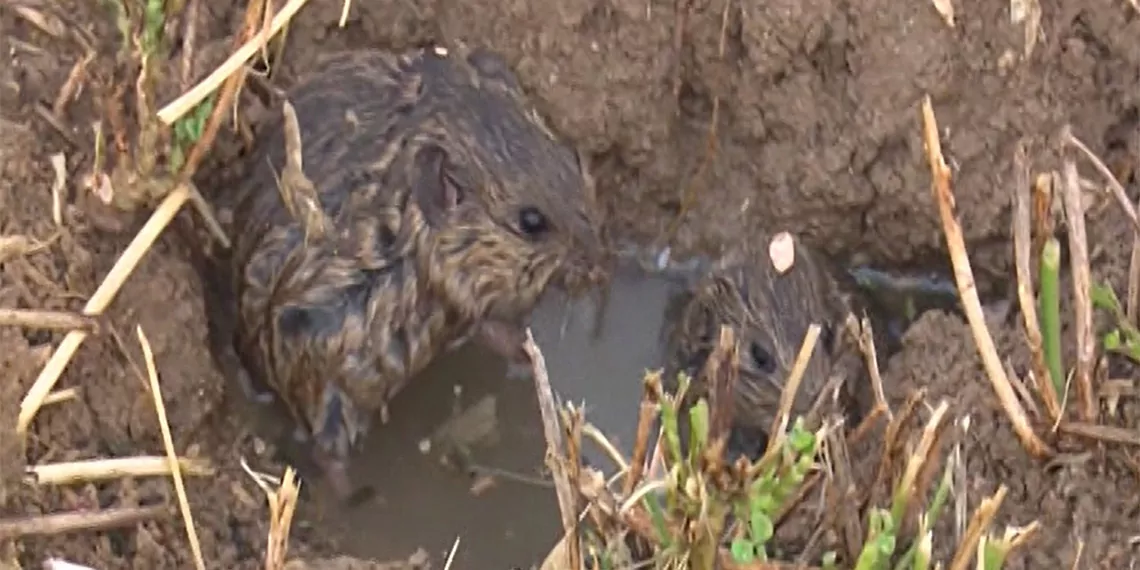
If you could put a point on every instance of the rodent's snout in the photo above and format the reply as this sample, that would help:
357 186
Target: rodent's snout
589 266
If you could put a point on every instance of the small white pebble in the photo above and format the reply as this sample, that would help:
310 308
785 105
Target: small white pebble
425 445
440 51
663 258
782 252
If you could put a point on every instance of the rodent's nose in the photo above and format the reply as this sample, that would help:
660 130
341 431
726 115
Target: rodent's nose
588 267
595 262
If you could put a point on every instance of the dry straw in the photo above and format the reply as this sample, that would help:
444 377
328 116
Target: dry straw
172 456
968 292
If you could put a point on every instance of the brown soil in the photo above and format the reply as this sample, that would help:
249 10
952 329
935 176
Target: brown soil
817 132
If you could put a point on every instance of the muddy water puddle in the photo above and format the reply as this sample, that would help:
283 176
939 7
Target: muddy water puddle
462 452
493 494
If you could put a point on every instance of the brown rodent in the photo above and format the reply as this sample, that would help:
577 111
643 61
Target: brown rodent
770 313
450 208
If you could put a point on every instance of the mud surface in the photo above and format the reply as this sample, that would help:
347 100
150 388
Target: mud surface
816 131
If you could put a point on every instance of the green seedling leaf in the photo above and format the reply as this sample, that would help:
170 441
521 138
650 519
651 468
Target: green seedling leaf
993 553
154 20
760 527
1104 297
922 555
801 440
828 561
743 551
672 431
765 485
698 427
762 503
880 542
1112 340
657 515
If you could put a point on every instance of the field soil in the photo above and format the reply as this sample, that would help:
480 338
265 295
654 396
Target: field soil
734 115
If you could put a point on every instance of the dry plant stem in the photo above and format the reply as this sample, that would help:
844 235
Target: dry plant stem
228 93
1043 222
1022 247
213 123
71 85
1102 433
1022 391
63 523
960 482
343 20
93 470
1079 265
172 456
841 498
99 301
1121 195
852 438
595 435
983 515
1077 556
189 38
51 320
968 292
865 426
282 506
866 338
1117 188
638 521
562 487
907 484
880 487
647 411
60 396
788 396
1132 303
720 377
190 99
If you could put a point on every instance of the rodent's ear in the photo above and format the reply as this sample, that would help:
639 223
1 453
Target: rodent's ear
434 191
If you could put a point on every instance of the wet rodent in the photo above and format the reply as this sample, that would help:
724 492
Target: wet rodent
770 313
450 208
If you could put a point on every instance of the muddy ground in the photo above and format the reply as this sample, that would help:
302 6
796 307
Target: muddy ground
816 131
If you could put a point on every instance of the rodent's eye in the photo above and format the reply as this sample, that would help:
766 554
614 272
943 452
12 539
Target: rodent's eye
532 222
762 359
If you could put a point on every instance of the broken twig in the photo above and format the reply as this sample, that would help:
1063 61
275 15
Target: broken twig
567 494
967 291
1023 245
63 523
49 320
1082 304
